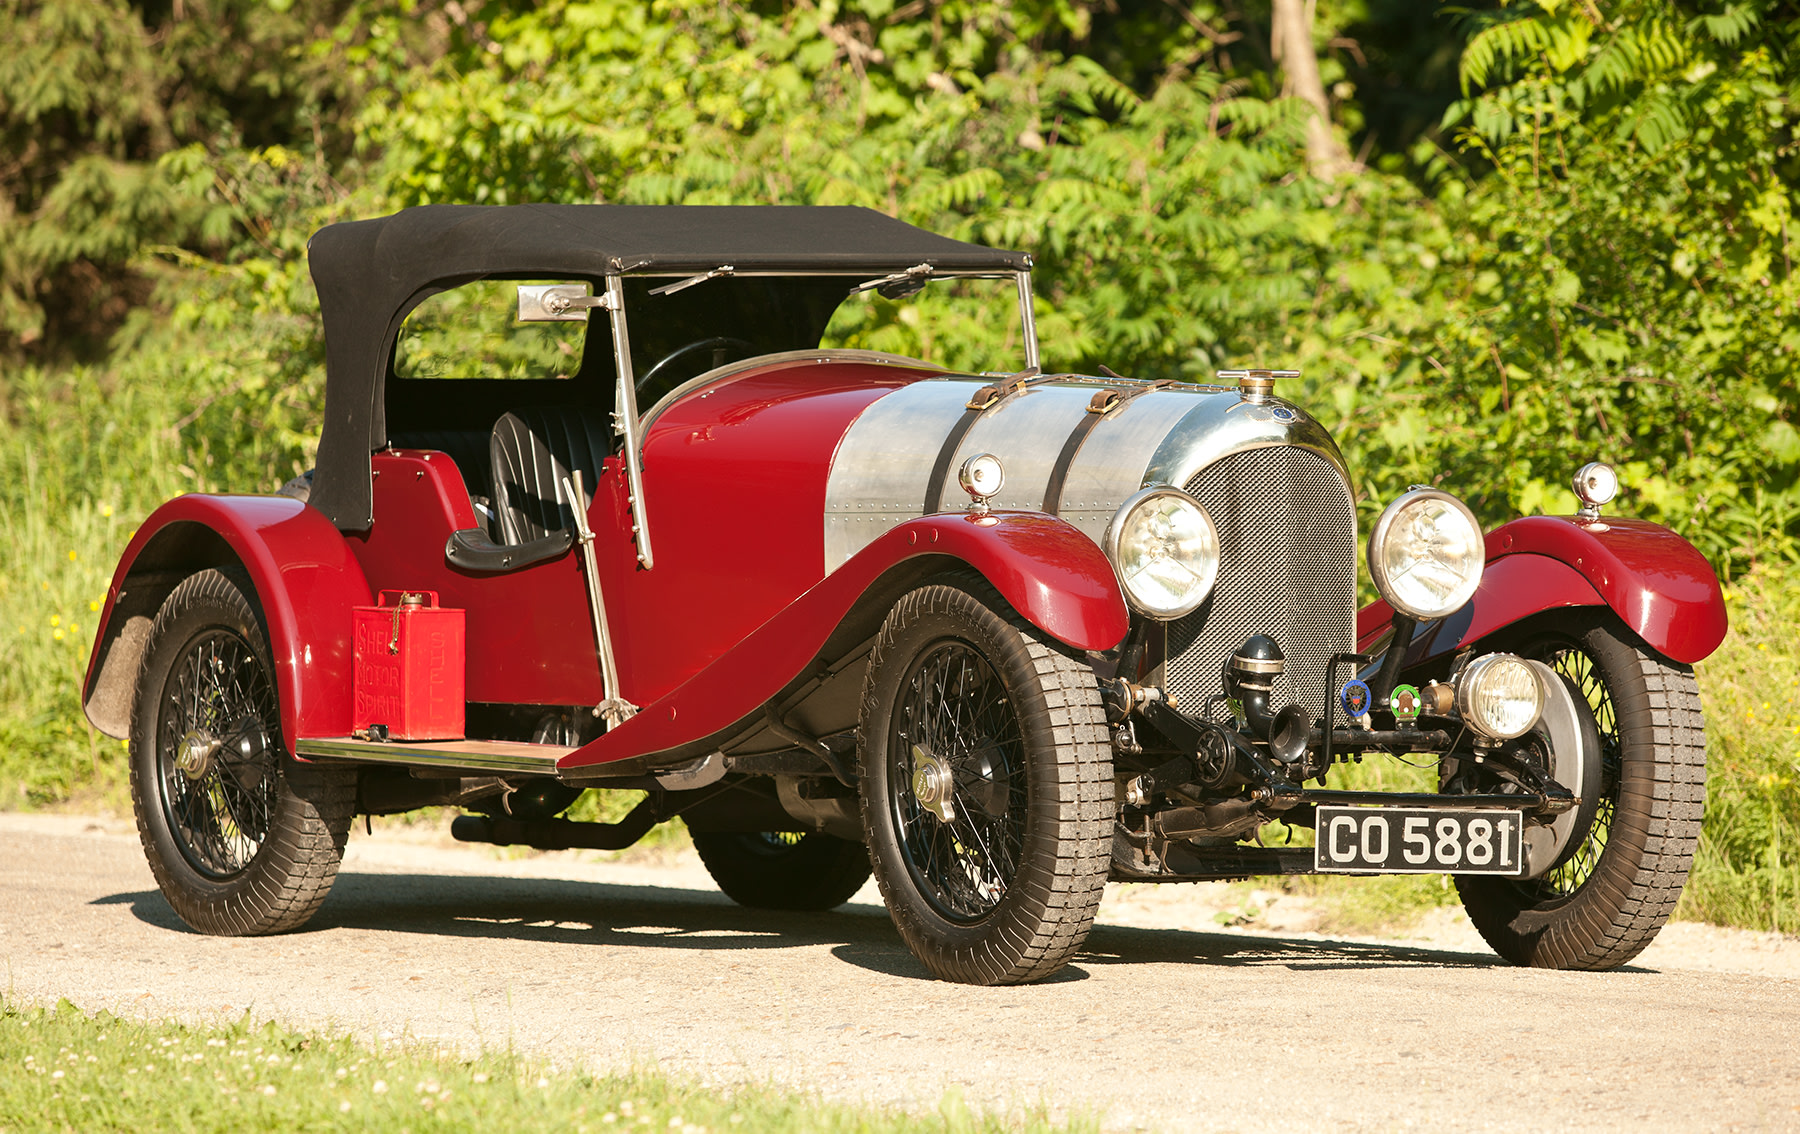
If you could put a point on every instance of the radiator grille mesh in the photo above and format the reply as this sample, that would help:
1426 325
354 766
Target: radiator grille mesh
1287 546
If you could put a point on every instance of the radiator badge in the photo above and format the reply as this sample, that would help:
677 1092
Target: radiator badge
1355 698
1405 702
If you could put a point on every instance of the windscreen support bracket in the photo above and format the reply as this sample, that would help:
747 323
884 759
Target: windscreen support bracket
625 419
1028 323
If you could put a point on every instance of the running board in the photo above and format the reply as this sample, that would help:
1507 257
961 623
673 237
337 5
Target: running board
469 755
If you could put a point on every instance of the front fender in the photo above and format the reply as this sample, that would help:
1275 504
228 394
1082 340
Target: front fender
305 581
1055 577
1655 581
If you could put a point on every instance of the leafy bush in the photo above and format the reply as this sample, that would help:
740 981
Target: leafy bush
1591 262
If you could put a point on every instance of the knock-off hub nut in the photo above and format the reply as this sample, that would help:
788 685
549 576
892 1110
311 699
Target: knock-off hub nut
932 785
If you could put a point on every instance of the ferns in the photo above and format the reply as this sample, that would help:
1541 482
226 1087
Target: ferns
1503 44
1729 26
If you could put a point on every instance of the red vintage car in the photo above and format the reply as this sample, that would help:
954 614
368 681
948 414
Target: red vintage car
999 636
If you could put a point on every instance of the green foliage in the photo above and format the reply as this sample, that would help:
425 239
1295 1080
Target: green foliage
1747 871
86 452
129 127
1586 298
1592 262
1622 270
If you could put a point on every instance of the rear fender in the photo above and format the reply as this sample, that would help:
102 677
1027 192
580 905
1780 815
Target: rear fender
1054 576
305 581
1655 581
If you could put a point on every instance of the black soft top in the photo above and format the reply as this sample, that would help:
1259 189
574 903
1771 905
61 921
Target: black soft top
371 274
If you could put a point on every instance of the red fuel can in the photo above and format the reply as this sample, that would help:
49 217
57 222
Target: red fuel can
408 666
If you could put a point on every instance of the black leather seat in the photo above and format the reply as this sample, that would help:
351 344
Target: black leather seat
532 451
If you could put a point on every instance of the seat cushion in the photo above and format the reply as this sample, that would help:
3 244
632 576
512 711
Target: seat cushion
532 451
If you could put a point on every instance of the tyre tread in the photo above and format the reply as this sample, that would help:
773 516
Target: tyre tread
1633 891
1066 893
288 880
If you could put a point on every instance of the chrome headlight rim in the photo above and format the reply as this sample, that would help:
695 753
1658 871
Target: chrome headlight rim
1378 566
1475 679
1112 544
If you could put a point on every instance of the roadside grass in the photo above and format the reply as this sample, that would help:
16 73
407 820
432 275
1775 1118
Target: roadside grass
56 559
1747 867
86 453
62 1069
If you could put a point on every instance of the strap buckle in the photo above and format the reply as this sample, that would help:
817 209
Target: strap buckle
984 398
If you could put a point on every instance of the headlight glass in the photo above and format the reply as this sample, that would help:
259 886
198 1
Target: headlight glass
1499 696
1426 554
1166 551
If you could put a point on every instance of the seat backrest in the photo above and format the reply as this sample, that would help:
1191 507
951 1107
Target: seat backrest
532 450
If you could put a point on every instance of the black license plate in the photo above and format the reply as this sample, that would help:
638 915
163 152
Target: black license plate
1418 840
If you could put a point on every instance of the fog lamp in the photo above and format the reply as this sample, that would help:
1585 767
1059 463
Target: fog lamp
1499 696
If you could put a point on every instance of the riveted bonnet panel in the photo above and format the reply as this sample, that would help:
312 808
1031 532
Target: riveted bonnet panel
882 470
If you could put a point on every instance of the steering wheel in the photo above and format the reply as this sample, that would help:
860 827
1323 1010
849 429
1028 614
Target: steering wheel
716 342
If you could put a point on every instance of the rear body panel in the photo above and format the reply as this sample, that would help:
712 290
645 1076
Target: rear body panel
305 580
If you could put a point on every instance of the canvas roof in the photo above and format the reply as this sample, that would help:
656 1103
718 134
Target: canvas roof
370 274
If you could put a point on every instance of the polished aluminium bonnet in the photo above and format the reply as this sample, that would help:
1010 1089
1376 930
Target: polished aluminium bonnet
882 468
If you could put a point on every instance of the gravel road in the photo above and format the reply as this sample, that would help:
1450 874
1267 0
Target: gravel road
1165 1022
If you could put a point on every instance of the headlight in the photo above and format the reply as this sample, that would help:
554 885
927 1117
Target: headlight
1426 554
1166 551
1499 696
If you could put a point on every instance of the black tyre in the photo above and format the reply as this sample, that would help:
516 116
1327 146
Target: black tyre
987 787
242 839
1608 899
784 870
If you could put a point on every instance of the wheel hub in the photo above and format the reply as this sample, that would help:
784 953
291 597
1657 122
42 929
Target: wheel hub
932 784
194 755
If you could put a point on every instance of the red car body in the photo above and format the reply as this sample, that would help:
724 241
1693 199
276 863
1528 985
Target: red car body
753 600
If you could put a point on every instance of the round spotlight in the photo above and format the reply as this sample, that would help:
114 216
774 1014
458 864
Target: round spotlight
1596 483
981 476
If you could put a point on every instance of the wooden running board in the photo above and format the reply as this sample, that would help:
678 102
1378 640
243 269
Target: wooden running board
470 755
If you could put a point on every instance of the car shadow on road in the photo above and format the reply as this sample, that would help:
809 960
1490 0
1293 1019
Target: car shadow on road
562 911
1123 945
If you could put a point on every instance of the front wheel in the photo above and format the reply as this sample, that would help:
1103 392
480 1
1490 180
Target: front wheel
1617 888
242 839
986 787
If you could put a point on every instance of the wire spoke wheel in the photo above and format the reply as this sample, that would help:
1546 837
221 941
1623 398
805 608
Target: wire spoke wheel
221 810
986 786
1575 663
1611 895
956 715
241 839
